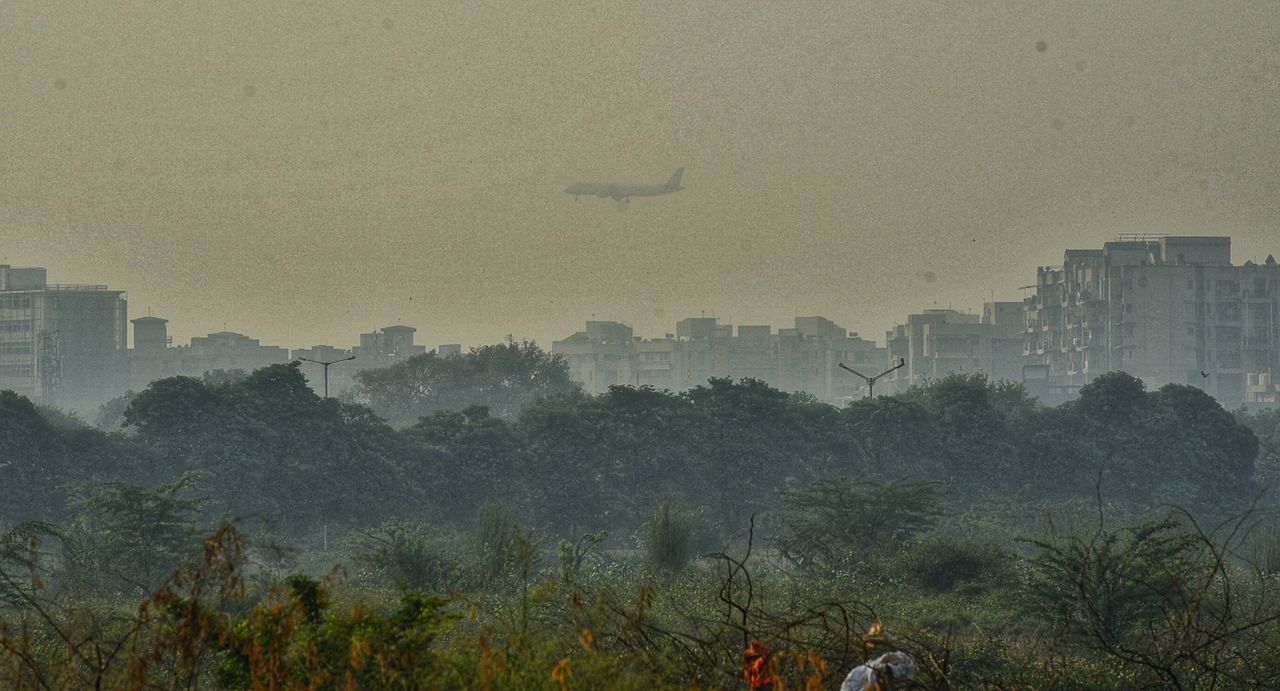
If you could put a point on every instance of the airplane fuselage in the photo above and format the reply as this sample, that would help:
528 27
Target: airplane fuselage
624 192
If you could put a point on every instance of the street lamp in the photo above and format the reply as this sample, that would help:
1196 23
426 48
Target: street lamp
326 369
871 381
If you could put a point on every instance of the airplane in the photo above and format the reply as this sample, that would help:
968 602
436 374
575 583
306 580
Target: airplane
624 192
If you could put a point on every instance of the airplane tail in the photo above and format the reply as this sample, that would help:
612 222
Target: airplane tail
674 183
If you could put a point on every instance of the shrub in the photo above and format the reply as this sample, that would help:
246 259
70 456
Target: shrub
494 543
942 565
405 555
667 543
836 522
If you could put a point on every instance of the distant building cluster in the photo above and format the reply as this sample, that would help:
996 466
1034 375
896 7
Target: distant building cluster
382 348
802 358
805 357
66 345
1164 309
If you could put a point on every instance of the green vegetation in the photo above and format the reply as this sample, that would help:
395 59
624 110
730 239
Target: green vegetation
239 532
503 378
667 539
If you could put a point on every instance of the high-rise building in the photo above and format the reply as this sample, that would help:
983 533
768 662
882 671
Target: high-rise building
61 344
1164 309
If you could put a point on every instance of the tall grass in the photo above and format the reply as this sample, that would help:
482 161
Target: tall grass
494 542
1264 550
667 543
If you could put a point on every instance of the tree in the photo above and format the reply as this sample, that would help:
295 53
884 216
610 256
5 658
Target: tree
749 438
269 444
1223 449
132 535
667 538
1113 399
899 436
39 459
1163 597
111 414
504 377
470 457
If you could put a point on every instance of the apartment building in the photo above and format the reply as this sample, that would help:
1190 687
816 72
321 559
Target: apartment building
378 348
802 358
1164 309
939 342
154 357
61 344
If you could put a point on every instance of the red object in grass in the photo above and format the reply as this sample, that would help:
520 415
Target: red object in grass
755 666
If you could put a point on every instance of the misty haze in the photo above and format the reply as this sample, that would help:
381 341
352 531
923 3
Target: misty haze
741 345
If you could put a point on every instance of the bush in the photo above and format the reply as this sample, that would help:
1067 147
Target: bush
494 543
667 543
835 523
942 565
405 555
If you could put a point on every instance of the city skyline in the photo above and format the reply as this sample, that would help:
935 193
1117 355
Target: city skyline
1167 309
841 159
662 326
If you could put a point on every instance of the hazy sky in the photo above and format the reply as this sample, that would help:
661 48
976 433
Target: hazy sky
303 171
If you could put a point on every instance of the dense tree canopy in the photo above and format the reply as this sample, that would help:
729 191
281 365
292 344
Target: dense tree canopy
266 444
503 377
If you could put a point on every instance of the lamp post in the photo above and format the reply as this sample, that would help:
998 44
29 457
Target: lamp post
326 369
871 381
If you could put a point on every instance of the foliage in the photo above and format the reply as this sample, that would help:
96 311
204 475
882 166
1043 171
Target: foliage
503 377
1115 583
849 505
268 444
39 460
667 538
834 523
130 537
406 555
573 554
1263 550
217 377
574 464
942 565
1161 597
111 414
495 543
61 419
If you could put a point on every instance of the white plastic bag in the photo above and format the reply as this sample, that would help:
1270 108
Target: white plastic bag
880 672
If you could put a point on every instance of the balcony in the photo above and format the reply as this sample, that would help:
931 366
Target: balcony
73 287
